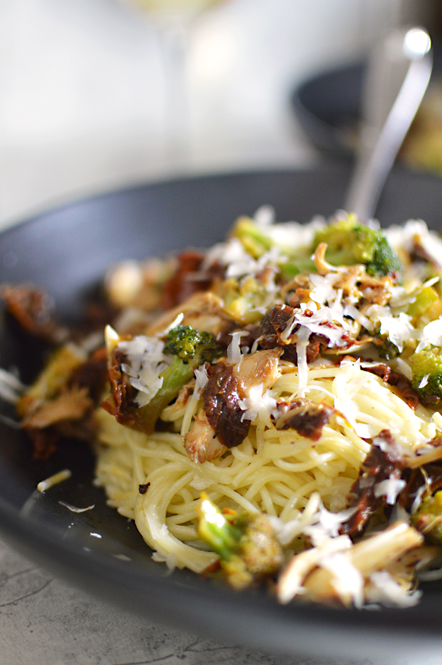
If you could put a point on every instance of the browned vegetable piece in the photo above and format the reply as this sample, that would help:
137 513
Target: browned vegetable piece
304 416
428 476
121 402
189 278
394 378
228 384
62 399
273 325
221 398
221 423
51 379
71 404
32 308
201 442
379 465
275 321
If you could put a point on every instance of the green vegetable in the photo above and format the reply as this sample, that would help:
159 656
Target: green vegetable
386 348
243 301
426 367
257 243
291 268
423 300
428 518
251 237
190 348
191 345
51 380
350 243
245 543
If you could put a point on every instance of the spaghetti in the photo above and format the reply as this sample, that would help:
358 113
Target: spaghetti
274 472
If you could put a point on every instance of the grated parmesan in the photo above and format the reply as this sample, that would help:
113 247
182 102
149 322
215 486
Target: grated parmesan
390 488
146 363
11 388
75 509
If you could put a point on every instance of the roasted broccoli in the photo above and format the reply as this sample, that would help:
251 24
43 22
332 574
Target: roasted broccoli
426 367
191 345
428 518
190 348
386 348
245 543
351 243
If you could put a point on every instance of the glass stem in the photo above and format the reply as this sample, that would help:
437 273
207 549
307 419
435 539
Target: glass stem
174 38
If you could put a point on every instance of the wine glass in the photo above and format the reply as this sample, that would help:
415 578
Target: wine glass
173 20
175 10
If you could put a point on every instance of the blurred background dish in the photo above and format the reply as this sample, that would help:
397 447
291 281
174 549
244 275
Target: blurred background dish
327 106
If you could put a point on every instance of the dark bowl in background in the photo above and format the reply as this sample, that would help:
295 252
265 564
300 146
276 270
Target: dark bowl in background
327 105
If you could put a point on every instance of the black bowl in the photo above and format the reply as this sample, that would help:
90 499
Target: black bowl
67 251
327 105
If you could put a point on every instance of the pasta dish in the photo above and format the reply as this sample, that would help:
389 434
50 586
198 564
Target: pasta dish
267 411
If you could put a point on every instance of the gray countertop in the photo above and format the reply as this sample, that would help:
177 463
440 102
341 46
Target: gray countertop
45 620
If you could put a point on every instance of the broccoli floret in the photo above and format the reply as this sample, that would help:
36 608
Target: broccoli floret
245 543
191 345
386 348
350 243
428 518
190 348
426 367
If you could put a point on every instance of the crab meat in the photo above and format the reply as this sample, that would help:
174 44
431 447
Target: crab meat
200 442
260 368
71 404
